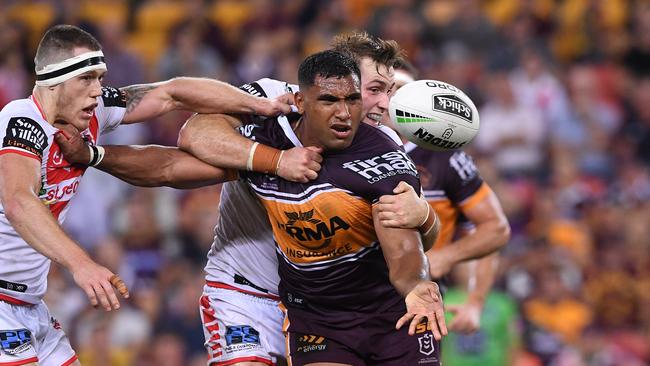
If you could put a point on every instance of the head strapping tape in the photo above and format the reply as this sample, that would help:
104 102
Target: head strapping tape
59 72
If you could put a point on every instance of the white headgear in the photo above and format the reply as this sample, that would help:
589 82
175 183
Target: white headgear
67 69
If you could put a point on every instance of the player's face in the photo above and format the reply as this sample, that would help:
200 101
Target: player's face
77 97
377 83
331 110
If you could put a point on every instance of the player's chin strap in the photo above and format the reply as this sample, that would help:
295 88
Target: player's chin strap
59 72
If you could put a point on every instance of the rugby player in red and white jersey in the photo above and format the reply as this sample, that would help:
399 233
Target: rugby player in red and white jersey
239 306
37 183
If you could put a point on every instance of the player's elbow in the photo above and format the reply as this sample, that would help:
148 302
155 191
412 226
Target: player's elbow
13 205
501 231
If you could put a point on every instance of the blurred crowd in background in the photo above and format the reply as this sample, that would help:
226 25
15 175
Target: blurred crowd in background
563 90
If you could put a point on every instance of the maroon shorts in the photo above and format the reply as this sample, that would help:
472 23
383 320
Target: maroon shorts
370 339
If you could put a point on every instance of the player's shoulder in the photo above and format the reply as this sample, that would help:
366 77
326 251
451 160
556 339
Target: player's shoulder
22 127
23 107
112 97
23 112
390 133
373 138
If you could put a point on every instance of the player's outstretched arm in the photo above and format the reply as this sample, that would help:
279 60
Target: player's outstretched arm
145 101
407 210
213 139
19 185
147 166
492 233
408 272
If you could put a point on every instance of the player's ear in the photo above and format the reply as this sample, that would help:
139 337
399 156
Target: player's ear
300 102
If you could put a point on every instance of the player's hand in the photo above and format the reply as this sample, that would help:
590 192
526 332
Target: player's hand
424 301
404 209
279 105
100 283
440 261
73 147
300 164
467 317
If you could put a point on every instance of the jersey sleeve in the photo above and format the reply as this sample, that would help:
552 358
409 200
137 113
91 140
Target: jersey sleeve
463 183
23 135
268 88
111 109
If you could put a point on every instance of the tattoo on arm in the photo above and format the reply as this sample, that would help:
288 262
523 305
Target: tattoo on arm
135 93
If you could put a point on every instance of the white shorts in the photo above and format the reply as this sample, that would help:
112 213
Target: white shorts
28 333
240 327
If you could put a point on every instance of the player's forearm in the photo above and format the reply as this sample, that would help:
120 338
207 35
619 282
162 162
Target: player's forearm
487 238
214 140
407 267
430 230
36 225
154 166
213 96
482 279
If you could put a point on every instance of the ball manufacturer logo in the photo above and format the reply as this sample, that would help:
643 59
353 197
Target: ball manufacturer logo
451 104
441 142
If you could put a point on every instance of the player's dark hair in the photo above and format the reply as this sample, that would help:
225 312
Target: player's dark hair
361 44
59 43
326 64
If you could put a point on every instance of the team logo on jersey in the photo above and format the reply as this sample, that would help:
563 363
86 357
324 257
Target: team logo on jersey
309 237
113 97
451 104
383 166
426 344
311 343
15 341
26 134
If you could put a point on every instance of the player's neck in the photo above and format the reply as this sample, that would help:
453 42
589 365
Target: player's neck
303 135
46 101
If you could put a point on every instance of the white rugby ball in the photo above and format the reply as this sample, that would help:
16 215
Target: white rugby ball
434 115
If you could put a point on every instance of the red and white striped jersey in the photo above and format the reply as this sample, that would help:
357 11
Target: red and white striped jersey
24 131
243 256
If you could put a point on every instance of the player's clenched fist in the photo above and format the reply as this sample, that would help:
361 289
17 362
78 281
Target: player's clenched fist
300 164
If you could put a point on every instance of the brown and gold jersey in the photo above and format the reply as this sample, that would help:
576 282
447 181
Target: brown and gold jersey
451 183
329 256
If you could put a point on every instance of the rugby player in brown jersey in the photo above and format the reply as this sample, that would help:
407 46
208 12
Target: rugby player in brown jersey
346 280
